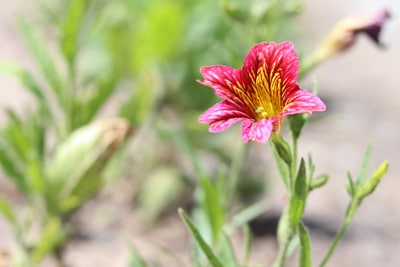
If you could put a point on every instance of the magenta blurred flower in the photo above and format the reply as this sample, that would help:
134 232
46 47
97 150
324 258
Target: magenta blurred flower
259 94
345 32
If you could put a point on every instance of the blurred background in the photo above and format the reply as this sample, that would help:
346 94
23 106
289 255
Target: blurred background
139 60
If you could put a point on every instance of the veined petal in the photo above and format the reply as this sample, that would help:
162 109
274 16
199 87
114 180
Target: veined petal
273 58
221 116
221 79
257 131
303 102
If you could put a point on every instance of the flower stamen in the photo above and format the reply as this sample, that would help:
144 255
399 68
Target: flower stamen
262 114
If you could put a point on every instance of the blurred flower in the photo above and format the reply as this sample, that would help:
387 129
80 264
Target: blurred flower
259 94
76 169
344 34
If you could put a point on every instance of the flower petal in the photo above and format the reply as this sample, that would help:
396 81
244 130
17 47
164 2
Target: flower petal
303 102
257 131
221 116
273 58
221 79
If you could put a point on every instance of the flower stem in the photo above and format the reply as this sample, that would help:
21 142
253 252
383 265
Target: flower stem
349 217
285 235
293 166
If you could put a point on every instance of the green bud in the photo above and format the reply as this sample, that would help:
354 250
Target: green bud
369 185
282 147
319 181
76 168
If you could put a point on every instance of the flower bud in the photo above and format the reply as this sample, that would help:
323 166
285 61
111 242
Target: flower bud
369 185
344 34
76 169
282 147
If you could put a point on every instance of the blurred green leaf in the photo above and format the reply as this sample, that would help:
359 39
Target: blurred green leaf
365 163
12 167
247 247
79 161
215 262
211 204
135 259
298 199
246 215
25 78
45 61
70 28
226 252
137 109
159 190
158 32
51 236
7 211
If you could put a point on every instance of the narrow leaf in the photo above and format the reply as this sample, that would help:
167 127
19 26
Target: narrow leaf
40 51
247 247
364 165
298 199
204 246
51 236
136 260
245 216
350 186
227 253
212 205
12 168
7 211
304 255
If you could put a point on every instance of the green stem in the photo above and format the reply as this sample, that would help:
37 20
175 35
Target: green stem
285 235
293 166
349 217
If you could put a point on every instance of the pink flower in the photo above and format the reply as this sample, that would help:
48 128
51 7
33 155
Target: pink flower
259 94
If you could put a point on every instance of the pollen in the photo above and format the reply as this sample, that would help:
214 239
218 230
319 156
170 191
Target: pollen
262 114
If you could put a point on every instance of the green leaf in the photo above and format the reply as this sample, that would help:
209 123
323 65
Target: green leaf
161 188
203 245
319 181
44 60
227 253
25 78
12 167
245 216
136 260
7 211
211 203
51 236
305 251
365 163
70 28
298 199
247 247
350 186
282 166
